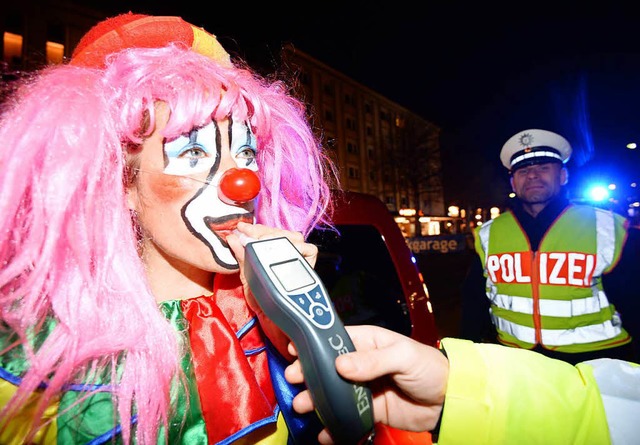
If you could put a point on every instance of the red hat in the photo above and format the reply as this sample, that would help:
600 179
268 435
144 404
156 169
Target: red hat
143 31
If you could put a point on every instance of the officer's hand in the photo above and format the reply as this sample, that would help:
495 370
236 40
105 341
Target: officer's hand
408 379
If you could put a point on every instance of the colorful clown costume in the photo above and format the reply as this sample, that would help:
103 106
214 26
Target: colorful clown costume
236 389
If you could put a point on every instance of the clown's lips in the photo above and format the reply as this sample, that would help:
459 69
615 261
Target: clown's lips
223 227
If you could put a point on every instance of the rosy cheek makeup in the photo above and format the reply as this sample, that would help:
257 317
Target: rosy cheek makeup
173 188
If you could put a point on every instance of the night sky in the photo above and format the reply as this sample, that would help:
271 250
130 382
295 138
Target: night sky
482 73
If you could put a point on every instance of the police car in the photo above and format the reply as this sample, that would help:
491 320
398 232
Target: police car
369 270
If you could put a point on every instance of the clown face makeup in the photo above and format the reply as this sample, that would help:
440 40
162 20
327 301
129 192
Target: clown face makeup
199 155
176 196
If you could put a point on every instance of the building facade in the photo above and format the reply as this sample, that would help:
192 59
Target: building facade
380 147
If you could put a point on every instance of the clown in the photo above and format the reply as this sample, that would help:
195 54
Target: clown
129 176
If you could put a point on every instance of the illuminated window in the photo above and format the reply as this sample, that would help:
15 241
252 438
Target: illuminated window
12 48
55 52
433 228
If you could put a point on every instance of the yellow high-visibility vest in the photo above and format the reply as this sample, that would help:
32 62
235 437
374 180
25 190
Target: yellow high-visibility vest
554 296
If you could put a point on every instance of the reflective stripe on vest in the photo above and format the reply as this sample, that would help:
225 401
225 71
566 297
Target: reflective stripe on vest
559 337
553 308
537 280
606 240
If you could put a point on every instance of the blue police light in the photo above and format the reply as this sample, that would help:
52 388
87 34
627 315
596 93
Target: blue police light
598 193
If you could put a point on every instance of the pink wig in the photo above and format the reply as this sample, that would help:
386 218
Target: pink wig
68 248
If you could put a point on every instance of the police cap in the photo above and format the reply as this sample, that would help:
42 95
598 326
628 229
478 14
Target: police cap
534 146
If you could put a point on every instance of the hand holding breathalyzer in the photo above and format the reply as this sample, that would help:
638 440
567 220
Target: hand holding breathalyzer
291 294
409 377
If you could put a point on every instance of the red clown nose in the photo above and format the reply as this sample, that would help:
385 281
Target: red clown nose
238 185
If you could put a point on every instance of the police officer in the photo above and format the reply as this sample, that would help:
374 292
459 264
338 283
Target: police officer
550 275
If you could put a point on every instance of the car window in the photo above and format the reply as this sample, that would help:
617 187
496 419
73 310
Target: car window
359 274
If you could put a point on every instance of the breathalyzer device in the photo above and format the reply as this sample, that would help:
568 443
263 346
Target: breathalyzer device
292 295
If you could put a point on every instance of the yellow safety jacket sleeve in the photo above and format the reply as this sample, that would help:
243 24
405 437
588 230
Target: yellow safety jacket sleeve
501 395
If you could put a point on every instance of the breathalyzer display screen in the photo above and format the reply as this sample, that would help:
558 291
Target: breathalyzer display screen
292 275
